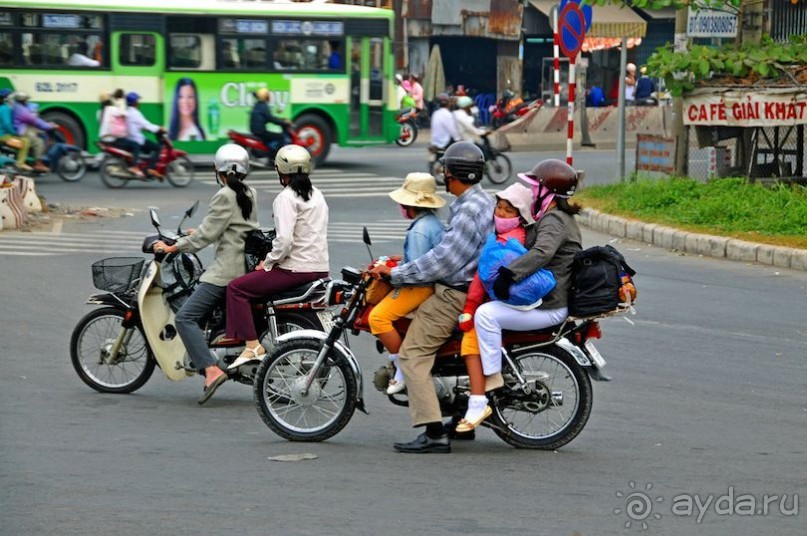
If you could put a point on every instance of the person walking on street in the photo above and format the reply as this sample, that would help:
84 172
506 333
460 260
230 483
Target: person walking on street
451 266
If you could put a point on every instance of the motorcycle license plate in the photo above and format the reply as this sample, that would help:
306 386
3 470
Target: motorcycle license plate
326 319
595 354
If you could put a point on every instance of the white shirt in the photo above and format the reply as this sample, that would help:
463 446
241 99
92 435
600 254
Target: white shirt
137 123
466 128
444 128
80 60
106 116
301 244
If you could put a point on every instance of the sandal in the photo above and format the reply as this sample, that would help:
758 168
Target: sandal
466 426
208 391
258 354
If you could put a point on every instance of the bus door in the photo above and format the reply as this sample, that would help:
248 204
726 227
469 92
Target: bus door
368 87
138 62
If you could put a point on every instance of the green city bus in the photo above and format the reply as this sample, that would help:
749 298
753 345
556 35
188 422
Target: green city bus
196 64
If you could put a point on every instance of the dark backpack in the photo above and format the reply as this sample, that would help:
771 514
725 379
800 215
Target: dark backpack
598 277
257 243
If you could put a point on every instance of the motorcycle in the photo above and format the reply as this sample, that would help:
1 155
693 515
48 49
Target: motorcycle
506 111
115 347
61 157
498 167
258 149
308 387
407 118
173 165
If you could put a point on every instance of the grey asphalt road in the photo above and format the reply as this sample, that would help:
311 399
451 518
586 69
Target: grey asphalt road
705 414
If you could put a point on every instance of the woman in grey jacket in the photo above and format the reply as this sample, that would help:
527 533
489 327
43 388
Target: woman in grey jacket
233 212
551 243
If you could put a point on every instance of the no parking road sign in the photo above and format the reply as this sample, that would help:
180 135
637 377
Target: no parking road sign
572 29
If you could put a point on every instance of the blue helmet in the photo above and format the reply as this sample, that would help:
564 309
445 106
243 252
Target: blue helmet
4 93
132 98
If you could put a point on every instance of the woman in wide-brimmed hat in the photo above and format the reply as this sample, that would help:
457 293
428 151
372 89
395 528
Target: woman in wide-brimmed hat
419 202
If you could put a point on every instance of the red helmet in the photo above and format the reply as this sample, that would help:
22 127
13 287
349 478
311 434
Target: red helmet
555 175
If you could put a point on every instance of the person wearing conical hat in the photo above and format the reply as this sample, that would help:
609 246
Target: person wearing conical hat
418 200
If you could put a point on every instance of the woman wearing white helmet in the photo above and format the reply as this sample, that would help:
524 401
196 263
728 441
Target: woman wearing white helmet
233 212
464 117
299 251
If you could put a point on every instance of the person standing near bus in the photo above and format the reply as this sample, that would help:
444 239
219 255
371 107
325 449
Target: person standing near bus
261 115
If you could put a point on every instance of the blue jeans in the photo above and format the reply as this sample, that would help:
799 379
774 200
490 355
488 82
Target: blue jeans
200 303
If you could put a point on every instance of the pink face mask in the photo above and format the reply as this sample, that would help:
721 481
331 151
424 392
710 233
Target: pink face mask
504 225
404 212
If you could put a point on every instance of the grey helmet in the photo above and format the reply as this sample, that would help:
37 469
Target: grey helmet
232 158
465 161
292 159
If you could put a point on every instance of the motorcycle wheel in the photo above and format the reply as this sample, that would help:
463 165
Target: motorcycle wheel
93 338
71 167
321 413
437 171
180 172
498 169
409 133
114 172
557 409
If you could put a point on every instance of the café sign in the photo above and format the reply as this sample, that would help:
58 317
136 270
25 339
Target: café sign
746 108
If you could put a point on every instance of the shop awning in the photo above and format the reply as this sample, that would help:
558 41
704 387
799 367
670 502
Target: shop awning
609 21
664 13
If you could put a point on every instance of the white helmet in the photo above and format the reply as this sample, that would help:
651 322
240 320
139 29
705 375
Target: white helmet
232 158
631 67
292 159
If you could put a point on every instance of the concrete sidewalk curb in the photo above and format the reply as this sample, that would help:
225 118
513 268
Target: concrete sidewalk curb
694 243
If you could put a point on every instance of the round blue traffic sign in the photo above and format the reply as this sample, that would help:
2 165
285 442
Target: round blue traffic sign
588 12
572 30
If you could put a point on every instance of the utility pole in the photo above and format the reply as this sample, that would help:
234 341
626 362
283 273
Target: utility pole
679 132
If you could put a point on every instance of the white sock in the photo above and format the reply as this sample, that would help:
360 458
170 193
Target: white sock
398 373
476 405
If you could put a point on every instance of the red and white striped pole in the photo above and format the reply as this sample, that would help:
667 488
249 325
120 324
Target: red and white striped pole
556 53
570 116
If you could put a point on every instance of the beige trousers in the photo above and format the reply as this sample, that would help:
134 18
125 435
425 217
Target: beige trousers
433 324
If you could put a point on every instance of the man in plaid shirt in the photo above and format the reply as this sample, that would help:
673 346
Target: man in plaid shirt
450 266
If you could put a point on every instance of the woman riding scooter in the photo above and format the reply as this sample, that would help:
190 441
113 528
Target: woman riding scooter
233 213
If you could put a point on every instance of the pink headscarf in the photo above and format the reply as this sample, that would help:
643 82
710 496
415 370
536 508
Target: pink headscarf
407 85
541 195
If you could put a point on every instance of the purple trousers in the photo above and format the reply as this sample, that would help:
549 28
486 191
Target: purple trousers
254 285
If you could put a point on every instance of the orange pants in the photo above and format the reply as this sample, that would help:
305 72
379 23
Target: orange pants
397 304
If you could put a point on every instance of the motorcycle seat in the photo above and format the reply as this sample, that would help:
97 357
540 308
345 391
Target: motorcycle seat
300 293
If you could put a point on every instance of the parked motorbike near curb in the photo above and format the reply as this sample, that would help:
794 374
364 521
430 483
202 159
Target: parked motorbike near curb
115 347
308 387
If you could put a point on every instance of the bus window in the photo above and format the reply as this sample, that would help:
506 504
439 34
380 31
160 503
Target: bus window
297 55
62 39
243 53
6 49
186 51
137 49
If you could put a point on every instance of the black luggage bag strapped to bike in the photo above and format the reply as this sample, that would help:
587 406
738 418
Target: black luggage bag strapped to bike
598 275
257 244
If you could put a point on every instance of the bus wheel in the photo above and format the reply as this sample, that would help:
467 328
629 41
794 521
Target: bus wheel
68 126
316 134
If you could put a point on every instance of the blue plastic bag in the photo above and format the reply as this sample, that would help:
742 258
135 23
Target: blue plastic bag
527 292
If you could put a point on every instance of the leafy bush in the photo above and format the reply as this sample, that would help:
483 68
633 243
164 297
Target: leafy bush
729 207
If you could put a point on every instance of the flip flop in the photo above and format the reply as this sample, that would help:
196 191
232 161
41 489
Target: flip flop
466 426
210 389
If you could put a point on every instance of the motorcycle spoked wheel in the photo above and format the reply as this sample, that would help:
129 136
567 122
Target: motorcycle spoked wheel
92 340
71 167
319 414
409 133
114 172
499 169
555 412
286 323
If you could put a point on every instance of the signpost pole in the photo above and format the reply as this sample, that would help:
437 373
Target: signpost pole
556 53
620 117
570 116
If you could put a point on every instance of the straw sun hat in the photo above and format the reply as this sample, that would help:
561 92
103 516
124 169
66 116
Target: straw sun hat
418 190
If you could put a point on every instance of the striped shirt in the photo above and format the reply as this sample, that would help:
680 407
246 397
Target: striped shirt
453 261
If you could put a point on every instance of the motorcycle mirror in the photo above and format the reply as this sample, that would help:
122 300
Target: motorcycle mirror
368 242
191 211
155 218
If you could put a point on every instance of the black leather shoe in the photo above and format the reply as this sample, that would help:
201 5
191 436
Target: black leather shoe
424 445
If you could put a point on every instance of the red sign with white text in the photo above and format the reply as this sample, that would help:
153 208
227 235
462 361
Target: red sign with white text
747 109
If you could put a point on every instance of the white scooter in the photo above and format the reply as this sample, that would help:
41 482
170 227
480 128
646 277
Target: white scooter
114 348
